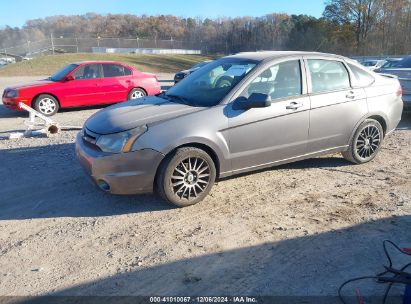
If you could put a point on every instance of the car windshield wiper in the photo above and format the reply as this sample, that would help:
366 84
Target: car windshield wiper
177 98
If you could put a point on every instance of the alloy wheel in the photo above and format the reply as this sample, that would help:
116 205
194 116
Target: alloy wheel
47 106
137 94
190 178
368 141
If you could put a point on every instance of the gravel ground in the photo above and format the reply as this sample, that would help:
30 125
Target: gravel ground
299 229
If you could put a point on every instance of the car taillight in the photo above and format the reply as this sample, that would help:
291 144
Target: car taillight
399 90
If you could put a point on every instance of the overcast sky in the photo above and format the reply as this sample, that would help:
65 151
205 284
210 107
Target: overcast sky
17 12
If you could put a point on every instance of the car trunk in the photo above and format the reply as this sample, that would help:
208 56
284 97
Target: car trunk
404 76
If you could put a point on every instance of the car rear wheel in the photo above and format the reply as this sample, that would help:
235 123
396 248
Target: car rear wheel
136 93
46 105
366 142
186 177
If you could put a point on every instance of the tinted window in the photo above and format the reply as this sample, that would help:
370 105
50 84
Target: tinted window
328 75
279 81
127 72
88 71
63 72
210 84
113 70
405 63
199 65
390 64
363 78
369 63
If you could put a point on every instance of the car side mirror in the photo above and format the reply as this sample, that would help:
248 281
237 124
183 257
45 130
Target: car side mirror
255 100
69 78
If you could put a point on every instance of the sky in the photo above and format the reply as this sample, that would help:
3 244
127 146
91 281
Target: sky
16 12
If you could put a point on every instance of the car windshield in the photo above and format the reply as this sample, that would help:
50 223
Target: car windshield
199 65
59 76
405 63
369 63
208 86
390 64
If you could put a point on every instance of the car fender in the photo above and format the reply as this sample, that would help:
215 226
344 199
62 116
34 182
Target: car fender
367 116
190 129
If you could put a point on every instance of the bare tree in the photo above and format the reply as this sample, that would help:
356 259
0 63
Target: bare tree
363 14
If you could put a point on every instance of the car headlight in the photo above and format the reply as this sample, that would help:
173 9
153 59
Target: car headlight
120 142
12 93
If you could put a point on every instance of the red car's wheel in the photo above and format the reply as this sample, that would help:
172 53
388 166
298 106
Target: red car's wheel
46 105
136 93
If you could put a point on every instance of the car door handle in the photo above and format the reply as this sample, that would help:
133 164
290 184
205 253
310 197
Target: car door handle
294 106
351 95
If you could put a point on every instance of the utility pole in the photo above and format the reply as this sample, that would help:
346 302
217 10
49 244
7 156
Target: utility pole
76 43
28 47
52 43
155 38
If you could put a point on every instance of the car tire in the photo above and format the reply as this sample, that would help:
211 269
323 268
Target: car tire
46 105
186 176
365 143
136 93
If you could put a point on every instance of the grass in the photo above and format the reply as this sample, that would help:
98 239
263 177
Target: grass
47 65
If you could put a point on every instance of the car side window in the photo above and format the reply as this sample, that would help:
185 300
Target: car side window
328 75
88 71
127 72
113 70
278 81
364 78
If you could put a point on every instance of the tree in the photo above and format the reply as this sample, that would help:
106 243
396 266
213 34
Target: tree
363 14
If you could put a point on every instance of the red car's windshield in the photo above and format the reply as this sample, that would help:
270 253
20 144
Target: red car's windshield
61 74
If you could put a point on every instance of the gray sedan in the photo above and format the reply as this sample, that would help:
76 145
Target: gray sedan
238 114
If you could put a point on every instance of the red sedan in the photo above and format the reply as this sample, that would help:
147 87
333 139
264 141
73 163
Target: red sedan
83 84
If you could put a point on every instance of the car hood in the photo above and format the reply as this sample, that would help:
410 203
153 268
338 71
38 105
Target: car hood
33 84
131 114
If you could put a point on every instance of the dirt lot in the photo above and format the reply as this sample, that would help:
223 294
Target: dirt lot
299 229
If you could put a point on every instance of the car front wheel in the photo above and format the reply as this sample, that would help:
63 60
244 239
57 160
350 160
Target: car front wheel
46 105
186 177
365 143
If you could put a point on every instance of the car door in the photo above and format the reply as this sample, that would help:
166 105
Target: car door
116 82
336 104
261 136
83 88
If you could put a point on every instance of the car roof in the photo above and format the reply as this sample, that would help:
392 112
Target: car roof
264 55
99 61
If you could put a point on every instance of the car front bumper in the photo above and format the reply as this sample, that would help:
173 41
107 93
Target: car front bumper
12 103
123 173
